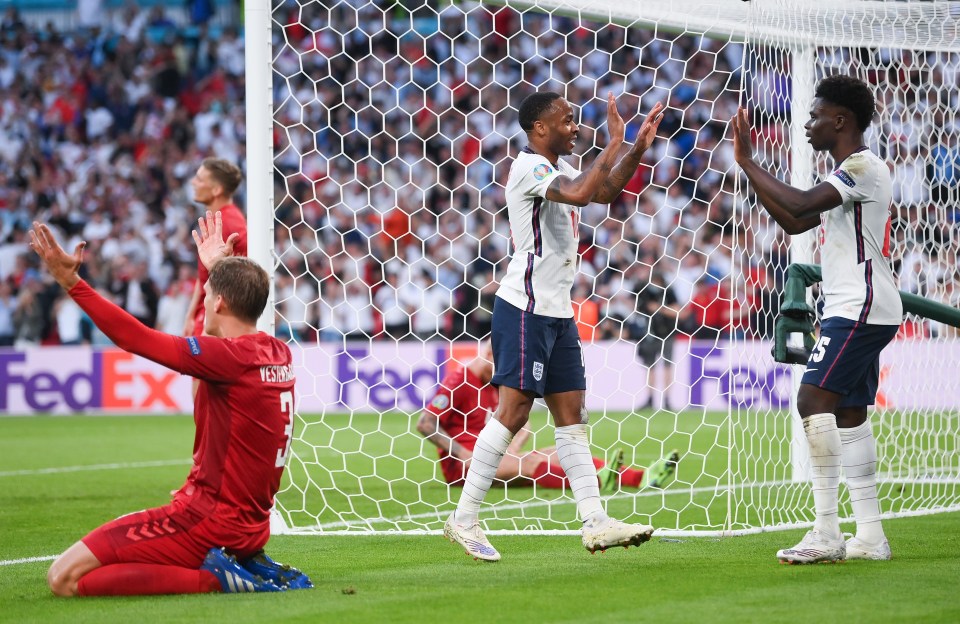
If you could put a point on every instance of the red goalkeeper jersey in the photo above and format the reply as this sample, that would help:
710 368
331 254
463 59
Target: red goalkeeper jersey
243 410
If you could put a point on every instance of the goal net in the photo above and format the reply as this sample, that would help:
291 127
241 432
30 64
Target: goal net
394 127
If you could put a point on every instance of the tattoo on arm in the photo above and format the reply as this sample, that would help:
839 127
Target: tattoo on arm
617 179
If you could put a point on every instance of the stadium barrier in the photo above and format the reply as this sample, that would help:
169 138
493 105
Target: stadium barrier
365 377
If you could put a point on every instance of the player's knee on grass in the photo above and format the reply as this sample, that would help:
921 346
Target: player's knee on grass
61 582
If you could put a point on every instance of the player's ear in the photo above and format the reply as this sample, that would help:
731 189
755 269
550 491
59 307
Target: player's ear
219 305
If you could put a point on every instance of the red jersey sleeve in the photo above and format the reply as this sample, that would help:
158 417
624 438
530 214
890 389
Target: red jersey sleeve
211 358
204 357
444 399
124 330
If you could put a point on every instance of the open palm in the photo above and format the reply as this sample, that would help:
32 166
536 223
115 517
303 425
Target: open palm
64 267
210 244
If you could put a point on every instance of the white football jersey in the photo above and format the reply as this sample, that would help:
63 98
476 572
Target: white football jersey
545 238
858 282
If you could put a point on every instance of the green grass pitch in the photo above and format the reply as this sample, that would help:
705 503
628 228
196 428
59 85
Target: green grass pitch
62 476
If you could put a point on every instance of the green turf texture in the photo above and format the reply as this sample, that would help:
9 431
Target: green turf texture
424 578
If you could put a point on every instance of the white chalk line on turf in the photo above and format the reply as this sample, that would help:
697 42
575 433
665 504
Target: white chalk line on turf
937 476
28 560
94 467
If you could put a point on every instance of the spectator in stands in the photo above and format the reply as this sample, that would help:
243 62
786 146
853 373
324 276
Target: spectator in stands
8 305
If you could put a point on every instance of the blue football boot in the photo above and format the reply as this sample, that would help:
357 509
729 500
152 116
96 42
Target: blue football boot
279 573
233 577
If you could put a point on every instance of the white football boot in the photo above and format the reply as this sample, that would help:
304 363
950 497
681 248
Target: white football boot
859 549
471 538
814 548
607 533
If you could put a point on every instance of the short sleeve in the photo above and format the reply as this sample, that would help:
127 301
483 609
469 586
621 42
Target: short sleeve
443 399
854 179
537 177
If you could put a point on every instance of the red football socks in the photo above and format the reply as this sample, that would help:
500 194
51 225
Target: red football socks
143 579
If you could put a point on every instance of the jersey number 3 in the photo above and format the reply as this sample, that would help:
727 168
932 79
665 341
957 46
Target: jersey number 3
286 407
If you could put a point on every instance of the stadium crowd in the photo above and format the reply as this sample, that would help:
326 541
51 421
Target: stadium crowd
394 135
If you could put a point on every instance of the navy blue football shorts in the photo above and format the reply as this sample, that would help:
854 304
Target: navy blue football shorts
846 359
540 354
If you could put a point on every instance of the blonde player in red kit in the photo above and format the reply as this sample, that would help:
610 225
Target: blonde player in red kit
243 414
213 185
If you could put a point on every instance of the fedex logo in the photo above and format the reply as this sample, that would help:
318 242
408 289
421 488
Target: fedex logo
719 378
45 380
397 384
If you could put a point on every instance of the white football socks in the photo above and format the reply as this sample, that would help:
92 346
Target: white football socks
573 452
491 444
824 439
860 468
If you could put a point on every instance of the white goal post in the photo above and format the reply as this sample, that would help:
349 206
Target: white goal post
378 137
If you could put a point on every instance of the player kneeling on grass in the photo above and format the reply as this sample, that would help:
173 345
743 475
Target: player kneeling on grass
243 413
461 406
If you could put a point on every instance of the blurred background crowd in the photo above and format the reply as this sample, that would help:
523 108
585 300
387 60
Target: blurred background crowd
394 133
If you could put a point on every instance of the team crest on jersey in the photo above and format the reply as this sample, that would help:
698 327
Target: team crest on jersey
441 401
538 370
541 171
844 177
194 345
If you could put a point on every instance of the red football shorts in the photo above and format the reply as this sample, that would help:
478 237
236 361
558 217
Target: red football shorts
169 535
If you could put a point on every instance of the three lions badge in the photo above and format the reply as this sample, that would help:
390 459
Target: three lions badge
538 370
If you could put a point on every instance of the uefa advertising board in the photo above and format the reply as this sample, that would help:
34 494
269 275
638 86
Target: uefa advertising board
383 376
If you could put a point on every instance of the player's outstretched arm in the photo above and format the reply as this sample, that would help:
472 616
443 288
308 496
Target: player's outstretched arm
123 329
579 191
624 170
209 239
794 210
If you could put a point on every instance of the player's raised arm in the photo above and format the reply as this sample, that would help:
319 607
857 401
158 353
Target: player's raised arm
619 176
122 328
580 191
793 209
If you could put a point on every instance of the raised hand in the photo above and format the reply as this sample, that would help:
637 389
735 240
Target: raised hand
648 130
64 267
210 244
615 125
742 141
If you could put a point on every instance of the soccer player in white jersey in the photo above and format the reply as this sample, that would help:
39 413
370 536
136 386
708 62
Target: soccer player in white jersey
536 347
861 313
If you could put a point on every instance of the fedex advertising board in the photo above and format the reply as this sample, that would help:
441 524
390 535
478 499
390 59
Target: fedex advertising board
385 376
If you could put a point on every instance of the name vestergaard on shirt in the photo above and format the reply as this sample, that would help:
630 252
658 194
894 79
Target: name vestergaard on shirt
276 374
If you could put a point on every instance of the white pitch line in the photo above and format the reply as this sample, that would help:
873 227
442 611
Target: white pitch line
93 467
28 560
